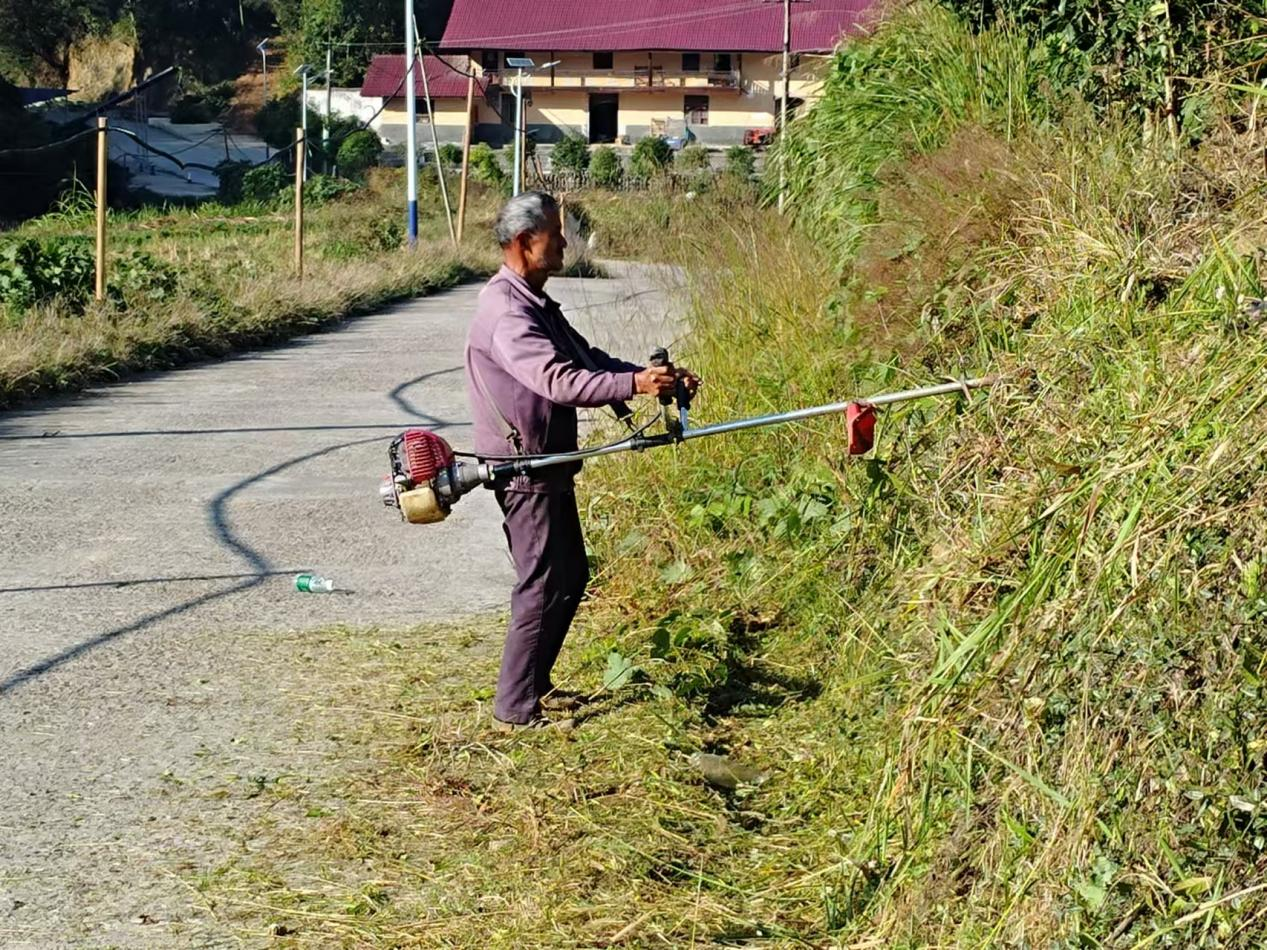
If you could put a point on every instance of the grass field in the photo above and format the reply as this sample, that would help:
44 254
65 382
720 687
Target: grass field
199 282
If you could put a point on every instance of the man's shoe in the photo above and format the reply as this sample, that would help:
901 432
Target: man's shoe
537 722
563 700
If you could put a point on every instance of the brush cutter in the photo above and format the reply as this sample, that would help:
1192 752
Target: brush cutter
428 477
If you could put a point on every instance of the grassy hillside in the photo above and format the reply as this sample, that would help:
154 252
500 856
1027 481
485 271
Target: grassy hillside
1005 674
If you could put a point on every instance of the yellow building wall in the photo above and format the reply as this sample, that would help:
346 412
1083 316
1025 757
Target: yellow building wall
562 100
448 112
564 108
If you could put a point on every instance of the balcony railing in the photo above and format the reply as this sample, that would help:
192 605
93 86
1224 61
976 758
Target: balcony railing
641 77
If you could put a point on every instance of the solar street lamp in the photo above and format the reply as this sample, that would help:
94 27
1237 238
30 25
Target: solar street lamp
521 63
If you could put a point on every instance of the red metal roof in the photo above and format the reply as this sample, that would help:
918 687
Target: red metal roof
386 74
705 25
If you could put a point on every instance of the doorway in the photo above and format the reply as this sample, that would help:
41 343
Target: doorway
604 117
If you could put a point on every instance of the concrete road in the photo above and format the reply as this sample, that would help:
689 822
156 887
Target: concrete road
206 144
151 531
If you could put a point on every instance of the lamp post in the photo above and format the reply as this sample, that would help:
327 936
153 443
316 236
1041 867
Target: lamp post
325 128
302 71
521 63
263 48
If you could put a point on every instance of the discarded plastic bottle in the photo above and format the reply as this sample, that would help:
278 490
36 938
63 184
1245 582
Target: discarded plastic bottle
313 584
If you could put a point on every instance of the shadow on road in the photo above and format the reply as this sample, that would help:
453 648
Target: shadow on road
221 527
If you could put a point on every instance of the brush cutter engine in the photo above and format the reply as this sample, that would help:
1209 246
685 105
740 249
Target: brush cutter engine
426 478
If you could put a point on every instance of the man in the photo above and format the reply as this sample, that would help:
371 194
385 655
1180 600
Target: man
527 371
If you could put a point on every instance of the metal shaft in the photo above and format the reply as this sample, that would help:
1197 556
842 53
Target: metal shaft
635 443
886 399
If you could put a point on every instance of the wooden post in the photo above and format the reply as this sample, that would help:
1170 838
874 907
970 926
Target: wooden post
435 151
466 152
101 207
301 148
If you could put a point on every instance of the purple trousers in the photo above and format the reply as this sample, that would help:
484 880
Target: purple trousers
544 533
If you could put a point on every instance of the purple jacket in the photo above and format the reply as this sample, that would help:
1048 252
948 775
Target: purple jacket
522 354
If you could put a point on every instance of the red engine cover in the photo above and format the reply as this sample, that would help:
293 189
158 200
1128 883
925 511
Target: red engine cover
860 422
423 455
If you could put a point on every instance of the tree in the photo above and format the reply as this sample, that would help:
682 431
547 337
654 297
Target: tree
346 25
41 31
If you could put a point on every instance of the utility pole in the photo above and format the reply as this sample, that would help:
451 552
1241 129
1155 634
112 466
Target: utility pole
787 58
411 130
325 128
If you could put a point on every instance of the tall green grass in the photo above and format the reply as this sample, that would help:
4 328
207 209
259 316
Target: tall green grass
904 90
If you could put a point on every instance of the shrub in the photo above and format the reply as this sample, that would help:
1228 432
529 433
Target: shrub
651 156
277 119
203 104
693 158
359 151
370 237
320 189
451 154
485 166
263 183
571 154
230 174
32 273
327 154
606 169
740 162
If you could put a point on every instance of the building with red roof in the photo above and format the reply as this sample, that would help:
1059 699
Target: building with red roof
613 71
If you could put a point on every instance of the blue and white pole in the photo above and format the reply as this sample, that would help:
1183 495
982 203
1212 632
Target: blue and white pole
519 125
411 128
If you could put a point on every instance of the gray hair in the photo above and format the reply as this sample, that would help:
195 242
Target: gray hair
526 213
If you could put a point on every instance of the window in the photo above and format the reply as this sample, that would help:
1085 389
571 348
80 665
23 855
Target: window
490 61
603 60
721 63
695 109
690 62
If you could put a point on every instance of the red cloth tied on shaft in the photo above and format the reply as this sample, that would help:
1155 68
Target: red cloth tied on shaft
860 421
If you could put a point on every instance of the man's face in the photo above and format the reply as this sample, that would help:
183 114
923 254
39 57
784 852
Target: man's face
545 248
